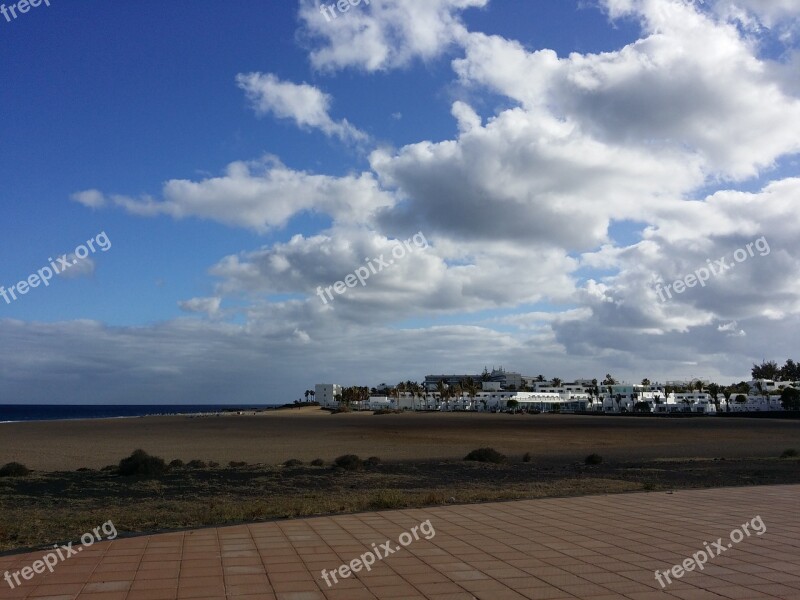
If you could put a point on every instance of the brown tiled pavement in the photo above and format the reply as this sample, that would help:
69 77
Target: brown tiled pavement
597 548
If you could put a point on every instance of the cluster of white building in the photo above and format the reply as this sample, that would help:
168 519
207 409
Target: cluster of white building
542 396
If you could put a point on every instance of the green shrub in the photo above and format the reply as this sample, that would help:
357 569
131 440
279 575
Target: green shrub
176 464
293 462
594 459
14 469
349 462
196 464
372 461
527 457
140 463
212 464
489 455
317 462
789 453
235 464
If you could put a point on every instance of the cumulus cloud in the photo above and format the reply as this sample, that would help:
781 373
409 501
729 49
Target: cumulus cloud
769 13
208 306
527 178
304 104
78 267
262 195
386 34
89 198
421 281
691 88
522 207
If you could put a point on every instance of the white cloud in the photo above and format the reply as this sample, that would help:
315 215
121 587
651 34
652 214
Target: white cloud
691 88
522 208
306 105
385 35
208 306
89 198
262 195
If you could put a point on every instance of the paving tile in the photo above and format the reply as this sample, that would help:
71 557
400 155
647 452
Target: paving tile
589 548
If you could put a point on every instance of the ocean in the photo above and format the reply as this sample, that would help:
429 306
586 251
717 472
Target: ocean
52 412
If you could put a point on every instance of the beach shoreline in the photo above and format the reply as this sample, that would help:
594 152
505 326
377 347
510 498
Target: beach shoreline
272 437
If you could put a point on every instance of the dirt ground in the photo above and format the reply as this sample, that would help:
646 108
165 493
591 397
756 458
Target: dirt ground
309 433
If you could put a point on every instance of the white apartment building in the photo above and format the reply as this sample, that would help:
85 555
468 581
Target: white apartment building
327 393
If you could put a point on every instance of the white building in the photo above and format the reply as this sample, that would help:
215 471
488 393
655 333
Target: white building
327 393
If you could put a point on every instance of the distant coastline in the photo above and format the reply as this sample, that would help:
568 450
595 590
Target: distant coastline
22 413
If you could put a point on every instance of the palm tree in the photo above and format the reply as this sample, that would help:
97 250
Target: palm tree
609 380
441 387
657 400
594 391
472 389
646 382
556 382
727 393
713 389
540 378
307 394
456 392
698 385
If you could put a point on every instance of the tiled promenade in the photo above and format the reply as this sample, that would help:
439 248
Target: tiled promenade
595 548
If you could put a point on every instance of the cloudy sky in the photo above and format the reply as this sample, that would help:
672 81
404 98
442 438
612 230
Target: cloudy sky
561 160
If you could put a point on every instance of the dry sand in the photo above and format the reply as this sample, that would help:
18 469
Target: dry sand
310 433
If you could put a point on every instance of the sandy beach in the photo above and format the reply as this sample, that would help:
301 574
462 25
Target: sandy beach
310 433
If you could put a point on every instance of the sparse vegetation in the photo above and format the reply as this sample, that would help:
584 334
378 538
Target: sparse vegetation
235 464
488 455
594 459
527 457
789 453
176 464
372 461
141 464
317 462
14 469
197 464
293 462
190 499
349 462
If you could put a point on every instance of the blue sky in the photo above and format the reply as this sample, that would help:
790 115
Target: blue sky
557 155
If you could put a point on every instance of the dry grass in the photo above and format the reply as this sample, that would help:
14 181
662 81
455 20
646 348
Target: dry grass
44 508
